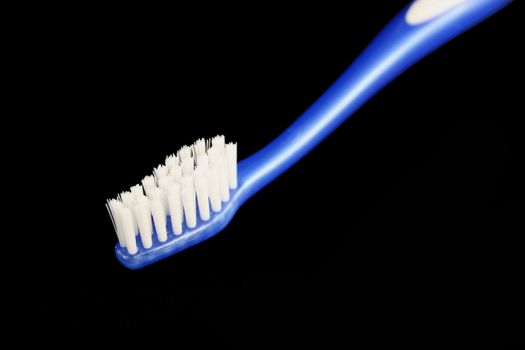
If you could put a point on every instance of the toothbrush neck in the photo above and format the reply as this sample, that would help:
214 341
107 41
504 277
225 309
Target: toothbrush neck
395 49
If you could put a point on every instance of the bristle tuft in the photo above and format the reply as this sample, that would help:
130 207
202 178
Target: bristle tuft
178 194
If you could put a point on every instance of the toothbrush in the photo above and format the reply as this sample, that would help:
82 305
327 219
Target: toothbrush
197 192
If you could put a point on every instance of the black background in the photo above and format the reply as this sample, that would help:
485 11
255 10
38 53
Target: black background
424 244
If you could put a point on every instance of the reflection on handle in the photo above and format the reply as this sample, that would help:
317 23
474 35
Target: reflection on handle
397 47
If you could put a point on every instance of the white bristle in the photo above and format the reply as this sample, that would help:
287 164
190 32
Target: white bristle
164 182
201 189
187 166
213 190
148 183
128 199
218 142
171 161
113 206
200 175
176 174
159 218
202 161
142 199
185 152
156 194
187 182
200 147
128 229
137 191
231 164
160 172
188 201
175 207
174 188
143 218
213 156
222 174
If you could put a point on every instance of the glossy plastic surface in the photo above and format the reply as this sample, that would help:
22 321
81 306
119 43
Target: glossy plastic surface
188 238
395 49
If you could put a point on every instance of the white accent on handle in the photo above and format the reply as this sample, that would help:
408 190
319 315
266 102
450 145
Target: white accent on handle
424 10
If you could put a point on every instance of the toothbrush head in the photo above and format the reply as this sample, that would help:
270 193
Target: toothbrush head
187 200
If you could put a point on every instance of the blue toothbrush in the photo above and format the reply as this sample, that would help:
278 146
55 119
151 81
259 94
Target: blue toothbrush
420 28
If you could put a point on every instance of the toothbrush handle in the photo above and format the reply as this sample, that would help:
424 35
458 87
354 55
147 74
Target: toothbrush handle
416 31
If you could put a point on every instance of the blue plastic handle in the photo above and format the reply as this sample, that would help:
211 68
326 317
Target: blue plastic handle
395 49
